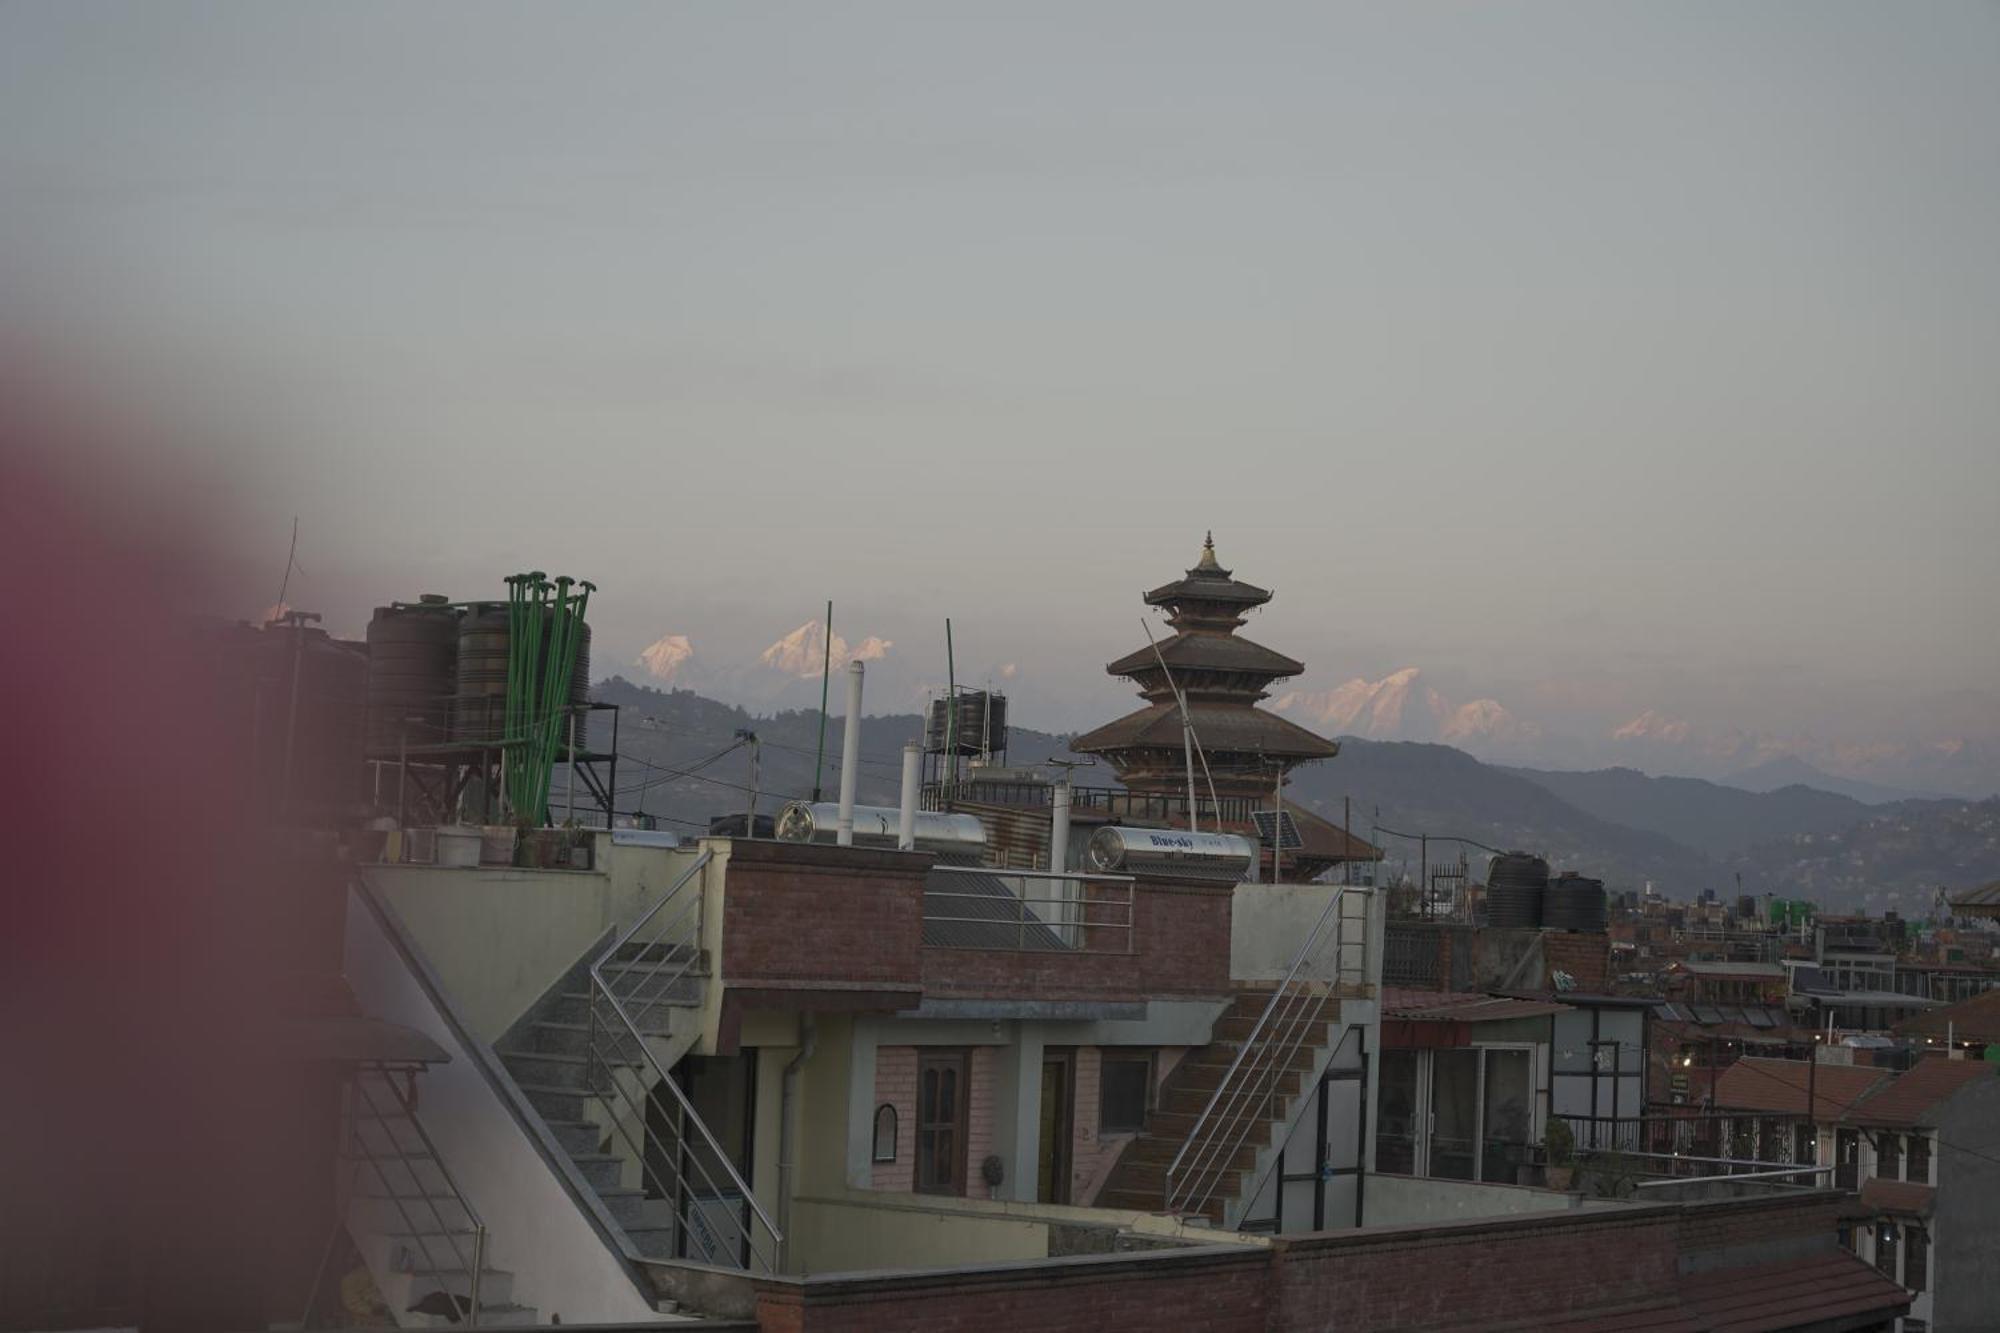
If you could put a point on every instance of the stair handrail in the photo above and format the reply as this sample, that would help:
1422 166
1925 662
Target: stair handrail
660 1076
456 1195
1293 1005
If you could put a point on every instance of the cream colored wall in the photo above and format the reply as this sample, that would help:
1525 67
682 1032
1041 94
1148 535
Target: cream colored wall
499 937
831 1237
860 1230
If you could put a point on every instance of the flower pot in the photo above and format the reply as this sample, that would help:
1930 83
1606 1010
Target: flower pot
1558 1177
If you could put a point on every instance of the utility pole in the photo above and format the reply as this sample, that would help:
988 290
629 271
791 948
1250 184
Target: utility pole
749 737
825 664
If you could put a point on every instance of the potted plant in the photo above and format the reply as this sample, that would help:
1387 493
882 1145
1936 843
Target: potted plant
578 844
1559 1149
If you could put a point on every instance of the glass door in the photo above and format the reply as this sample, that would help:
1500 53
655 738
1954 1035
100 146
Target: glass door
1454 1121
1505 1133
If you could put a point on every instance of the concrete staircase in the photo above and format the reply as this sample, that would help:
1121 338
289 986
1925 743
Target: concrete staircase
1139 1181
568 1081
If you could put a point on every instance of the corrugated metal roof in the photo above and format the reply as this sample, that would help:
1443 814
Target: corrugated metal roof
1421 1006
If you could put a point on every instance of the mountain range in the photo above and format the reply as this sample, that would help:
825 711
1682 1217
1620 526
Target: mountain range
1617 824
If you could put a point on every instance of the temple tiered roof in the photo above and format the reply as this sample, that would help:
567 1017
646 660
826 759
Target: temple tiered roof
1223 677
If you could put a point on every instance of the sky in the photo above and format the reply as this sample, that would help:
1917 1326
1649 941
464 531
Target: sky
1598 360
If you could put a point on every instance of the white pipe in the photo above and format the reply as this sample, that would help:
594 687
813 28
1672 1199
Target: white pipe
850 756
906 823
1059 829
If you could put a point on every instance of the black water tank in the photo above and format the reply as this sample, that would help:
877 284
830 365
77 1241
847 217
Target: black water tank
1573 903
1514 884
480 708
295 699
412 665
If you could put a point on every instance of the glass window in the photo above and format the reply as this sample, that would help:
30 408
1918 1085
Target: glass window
1396 1113
1916 1259
885 1133
1125 1087
1920 1159
1885 1249
941 1123
1889 1157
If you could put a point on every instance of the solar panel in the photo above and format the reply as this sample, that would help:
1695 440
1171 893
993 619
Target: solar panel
1706 1014
1287 828
1760 1018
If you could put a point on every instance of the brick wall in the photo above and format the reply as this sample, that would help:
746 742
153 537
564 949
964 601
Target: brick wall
1179 941
799 912
896 1084
978 1118
1223 1292
1585 957
1410 1278
1515 1270
1726 1232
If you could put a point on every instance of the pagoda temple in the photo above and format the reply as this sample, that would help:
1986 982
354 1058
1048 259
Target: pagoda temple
1223 676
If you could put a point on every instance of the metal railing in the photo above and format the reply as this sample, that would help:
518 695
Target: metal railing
1118 801
437 1251
642 970
986 907
1248 1091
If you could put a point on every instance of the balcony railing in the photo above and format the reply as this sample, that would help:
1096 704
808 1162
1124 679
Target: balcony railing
1161 807
1027 911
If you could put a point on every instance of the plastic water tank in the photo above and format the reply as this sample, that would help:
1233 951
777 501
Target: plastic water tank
1514 885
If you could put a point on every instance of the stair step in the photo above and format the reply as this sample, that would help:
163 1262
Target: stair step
553 1102
602 1169
576 1136
1161 1152
1236 1028
551 1069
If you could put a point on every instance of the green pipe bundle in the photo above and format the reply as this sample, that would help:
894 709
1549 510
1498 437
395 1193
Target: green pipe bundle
544 631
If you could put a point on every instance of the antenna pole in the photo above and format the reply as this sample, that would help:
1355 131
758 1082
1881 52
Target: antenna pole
1187 726
950 712
825 664
1277 825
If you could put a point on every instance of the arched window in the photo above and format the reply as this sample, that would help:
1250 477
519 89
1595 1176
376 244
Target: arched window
885 1133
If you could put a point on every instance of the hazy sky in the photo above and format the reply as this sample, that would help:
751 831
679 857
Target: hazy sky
1595 357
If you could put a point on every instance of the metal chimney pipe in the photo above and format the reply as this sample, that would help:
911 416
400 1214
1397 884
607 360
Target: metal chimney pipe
906 824
1059 829
850 756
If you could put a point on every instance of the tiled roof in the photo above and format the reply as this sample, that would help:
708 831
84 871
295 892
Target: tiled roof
1794 1294
1216 652
1666 1315
1220 728
1915 1092
1897 1196
1431 1006
1755 1083
1976 1019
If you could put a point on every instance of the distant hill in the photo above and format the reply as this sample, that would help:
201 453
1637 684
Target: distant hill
1709 817
1439 790
1615 824
1895 858
1790 771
